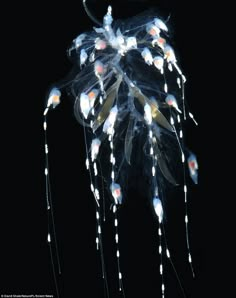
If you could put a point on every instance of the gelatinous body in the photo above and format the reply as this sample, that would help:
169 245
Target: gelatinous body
128 91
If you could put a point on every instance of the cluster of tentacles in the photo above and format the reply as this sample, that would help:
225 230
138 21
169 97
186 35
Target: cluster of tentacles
127 86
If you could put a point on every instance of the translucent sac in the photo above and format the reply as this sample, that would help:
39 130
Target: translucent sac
100 44
169 54
147 56
158 208
83 57
92 95
193 168
99 68
153 30
95 148
84 105
54 97
171 101
116 192
160 24
131 43
158 61
78 41
109 123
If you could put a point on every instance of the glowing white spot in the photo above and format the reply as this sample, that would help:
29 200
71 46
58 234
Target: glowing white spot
163 287
111 157
160 249
45 112
153 171
150 134
87 163
156 191
114 209
120 275
181 134
167 253
183 158
148 114
191 116
170 67
95 172
161 269
46 171
117 253
117 238
95 169
178 82
49 238
116 222
46 148
45 125
96 193
112 175
165 88
151 151
92 187
186 219
97 215
185 188
172 121
159 232
99 229
189 258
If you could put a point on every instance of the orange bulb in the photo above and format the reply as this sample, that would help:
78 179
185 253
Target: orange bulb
56 99
91 95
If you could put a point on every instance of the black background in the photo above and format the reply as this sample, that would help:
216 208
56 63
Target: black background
37 47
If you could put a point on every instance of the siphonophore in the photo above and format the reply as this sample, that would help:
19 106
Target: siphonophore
128 93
